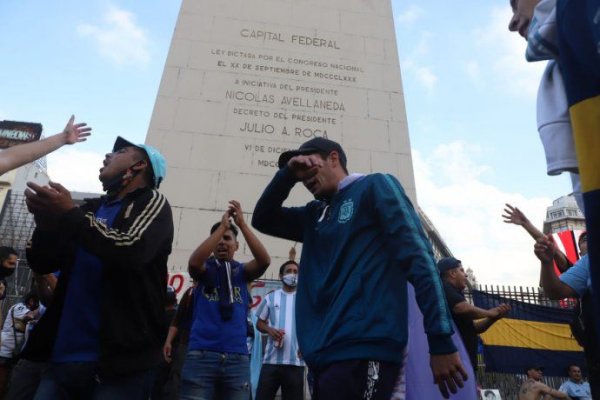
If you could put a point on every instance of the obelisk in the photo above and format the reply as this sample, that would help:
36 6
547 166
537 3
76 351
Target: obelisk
245 80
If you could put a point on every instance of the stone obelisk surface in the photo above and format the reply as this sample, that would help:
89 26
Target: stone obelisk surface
246 80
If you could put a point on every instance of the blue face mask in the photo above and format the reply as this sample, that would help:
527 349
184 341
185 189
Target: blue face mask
290 279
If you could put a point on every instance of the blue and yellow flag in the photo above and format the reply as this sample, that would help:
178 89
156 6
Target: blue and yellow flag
578 39
530 335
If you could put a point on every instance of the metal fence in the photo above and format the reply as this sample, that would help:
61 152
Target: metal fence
16 223
16 227
531 295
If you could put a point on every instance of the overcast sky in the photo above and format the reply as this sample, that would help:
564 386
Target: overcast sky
470 98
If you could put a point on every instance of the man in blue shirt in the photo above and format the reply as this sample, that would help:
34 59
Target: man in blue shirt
362 242
217 365
104 329
575 386
575 282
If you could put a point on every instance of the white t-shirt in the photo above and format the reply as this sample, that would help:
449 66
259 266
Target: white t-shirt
18 311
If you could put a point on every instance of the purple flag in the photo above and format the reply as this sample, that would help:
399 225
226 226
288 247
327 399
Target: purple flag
418 378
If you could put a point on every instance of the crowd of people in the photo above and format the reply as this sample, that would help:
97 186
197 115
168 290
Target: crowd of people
574 388
102 332
102 324
346 318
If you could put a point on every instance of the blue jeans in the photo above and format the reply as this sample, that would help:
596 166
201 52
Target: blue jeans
67 381
206 373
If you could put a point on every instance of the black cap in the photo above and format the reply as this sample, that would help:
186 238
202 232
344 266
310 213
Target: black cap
316 145
447 263
120 143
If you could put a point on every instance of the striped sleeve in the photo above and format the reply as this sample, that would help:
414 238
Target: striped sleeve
411 249
150 232
263 309
139 226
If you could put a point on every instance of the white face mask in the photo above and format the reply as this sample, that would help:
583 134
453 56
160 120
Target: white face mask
290 279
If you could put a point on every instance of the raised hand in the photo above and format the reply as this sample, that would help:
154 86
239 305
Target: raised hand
51 200
75 133
235 211
514 216
225 221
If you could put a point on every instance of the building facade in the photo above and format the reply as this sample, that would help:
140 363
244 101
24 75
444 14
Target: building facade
564 215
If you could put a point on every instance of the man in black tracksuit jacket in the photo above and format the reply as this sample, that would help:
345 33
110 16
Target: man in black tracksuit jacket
103 331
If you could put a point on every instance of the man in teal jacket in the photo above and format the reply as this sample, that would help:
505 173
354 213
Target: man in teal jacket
362 242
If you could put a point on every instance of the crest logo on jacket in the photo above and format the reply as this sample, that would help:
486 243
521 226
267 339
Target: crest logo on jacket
101 220
346 211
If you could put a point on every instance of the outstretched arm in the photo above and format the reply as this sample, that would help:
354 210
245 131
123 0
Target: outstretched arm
19 155
512 215
484 324
255 268
469 310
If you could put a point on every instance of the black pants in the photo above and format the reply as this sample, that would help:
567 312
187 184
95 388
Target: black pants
289 377
356 380
26 376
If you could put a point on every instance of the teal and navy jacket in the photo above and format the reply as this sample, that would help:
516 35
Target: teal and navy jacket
359 250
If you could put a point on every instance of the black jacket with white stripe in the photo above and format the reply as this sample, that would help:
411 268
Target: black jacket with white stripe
134 254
